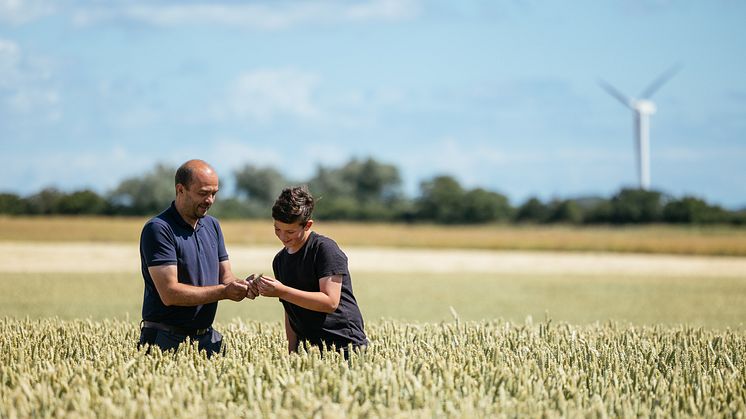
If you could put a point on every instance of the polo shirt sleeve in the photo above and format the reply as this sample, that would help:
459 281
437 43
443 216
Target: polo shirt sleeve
222 252
157 245
330 260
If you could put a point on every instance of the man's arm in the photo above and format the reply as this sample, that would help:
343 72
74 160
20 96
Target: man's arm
290 334
227 276
325 300
174 293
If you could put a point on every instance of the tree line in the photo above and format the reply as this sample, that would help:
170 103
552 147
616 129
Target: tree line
368 190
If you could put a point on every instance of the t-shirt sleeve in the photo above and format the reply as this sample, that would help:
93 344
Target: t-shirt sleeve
330 260
222 252
157 245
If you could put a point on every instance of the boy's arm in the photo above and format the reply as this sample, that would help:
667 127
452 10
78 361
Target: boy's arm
325 300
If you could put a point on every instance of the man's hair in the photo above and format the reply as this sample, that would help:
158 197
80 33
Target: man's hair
294 205
185 172
184 175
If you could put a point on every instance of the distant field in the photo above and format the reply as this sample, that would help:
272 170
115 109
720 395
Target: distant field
712 302
721 241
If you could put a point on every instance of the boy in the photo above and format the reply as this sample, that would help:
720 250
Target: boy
312 280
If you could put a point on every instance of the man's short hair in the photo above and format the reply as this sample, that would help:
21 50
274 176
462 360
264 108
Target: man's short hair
294 205
184 175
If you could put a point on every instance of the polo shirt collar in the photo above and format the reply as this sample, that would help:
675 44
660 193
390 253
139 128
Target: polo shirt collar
176 216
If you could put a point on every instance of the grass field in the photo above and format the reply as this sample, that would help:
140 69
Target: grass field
710 302
719 240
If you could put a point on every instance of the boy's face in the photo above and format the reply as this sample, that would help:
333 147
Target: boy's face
292 236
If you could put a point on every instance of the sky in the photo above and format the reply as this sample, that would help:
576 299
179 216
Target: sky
499 94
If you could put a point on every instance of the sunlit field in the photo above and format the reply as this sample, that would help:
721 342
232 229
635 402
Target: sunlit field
711 240
710 302
54 368
513 340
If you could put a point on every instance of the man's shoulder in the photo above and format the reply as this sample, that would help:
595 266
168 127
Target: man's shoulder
162 223
158 222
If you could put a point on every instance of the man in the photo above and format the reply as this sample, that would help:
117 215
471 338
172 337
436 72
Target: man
185 266
312 280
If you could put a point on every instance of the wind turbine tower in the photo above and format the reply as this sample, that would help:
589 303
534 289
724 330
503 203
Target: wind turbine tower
642 109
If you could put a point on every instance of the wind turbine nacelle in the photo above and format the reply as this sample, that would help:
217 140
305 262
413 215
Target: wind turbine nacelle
645 107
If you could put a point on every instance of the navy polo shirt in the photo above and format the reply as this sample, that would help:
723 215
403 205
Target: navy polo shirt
197 252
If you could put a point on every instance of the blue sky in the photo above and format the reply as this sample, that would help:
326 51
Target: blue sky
499 94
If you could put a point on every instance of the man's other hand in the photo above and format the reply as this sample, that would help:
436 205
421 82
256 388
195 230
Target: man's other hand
236 290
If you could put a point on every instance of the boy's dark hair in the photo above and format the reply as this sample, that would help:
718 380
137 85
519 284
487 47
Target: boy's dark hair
294 205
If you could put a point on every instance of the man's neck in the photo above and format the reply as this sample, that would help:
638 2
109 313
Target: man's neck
190 221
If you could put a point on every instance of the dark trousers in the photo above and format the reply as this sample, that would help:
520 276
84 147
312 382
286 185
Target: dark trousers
211 342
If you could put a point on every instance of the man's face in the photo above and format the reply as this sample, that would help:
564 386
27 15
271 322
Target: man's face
199 196
292 236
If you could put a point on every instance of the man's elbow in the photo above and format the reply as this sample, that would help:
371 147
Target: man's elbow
168 298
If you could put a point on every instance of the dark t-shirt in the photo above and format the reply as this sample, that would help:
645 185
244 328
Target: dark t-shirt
197 252
318 258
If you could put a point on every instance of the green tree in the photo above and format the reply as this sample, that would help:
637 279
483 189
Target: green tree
359 190
145 195
82 202
482 206
44 202
565 211
692 210
441 200
636 206
532 211
260 184
12 204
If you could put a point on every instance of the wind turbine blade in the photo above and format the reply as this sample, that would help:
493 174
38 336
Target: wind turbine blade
660 81
616 93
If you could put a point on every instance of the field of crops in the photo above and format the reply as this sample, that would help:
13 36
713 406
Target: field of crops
638 334
661 239
80 368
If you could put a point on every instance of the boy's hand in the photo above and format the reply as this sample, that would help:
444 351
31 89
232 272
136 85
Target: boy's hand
269 287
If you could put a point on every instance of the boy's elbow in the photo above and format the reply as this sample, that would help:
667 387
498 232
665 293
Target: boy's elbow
332 307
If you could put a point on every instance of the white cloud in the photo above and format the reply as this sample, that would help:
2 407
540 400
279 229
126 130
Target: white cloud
263 95
10 55
25 84
266 16
17 12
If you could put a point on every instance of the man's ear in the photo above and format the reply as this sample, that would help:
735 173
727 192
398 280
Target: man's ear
179 188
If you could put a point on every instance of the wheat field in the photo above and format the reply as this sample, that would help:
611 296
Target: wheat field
480 332
56 368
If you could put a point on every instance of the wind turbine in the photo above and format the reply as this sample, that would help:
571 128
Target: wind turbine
643 108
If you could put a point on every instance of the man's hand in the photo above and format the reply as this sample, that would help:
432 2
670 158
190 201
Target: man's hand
252 290
269 287
236 290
